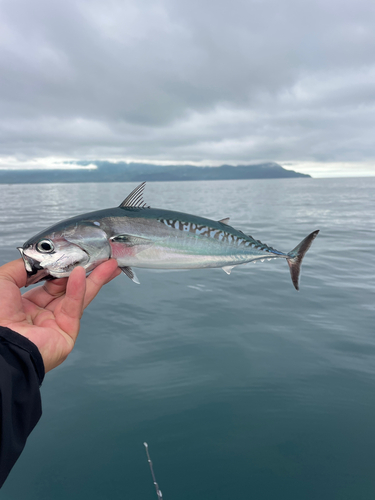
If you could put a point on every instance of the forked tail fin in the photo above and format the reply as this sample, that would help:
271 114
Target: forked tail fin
295 257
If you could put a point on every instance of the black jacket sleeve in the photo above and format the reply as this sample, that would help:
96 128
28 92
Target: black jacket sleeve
21 374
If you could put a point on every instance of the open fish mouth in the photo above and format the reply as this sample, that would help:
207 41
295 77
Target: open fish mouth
35 272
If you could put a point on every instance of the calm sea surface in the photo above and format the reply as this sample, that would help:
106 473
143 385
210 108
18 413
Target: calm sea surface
242 387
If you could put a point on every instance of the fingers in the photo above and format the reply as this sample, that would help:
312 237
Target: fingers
100 276
43 295
70 309
80 291
15 272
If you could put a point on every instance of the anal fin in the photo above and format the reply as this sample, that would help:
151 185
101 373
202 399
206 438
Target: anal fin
227 269
130 274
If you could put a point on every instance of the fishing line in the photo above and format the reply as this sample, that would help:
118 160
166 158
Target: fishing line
158 492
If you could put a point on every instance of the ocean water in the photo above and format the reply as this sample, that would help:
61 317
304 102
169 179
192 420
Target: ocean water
243 387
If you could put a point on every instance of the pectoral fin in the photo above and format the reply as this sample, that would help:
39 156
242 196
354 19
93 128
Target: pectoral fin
130 274
130 240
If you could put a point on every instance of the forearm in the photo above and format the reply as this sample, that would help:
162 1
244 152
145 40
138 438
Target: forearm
21 374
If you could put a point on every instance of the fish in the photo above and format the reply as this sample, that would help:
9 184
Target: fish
139 236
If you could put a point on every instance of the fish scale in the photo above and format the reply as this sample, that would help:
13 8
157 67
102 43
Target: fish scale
139 236
221 235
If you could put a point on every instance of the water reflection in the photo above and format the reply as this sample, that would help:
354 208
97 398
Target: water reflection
240 383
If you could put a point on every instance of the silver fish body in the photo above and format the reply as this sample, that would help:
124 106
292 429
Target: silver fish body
139 236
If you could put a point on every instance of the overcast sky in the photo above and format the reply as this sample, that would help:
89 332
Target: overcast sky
208 81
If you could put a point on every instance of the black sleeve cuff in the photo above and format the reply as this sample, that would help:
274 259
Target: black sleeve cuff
21 374
25 344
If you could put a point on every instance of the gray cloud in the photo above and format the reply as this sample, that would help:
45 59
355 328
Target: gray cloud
219 80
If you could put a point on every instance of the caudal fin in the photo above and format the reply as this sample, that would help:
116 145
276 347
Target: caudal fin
295 257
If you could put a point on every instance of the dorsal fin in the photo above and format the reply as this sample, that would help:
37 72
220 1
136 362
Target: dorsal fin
224 221
135 198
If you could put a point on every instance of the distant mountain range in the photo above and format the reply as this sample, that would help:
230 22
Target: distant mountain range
106 171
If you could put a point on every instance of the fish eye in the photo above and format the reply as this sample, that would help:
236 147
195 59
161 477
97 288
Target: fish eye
45 246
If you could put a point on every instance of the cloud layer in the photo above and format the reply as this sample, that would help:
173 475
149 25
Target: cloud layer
215 81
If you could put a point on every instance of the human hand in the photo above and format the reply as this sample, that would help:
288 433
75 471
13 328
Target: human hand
49 315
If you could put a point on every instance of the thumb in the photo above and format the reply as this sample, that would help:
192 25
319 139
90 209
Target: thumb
14 272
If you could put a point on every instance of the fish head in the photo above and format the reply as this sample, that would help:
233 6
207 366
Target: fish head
54 253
